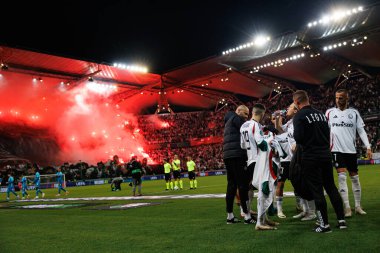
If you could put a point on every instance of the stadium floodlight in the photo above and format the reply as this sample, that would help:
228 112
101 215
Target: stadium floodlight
261 40
258 41
353 42
278 62
101 88
134 68
336 16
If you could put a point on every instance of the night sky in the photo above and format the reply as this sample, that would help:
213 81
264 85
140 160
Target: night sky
159 34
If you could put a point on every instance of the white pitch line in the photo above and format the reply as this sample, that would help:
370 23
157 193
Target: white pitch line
185 196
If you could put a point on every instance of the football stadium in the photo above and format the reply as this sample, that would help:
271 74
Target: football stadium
271 145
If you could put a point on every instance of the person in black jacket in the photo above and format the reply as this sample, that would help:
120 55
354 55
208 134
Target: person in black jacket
312 134
235 160
135 169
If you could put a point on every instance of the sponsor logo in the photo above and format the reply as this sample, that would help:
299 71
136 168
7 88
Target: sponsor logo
80 183
343 124
335 117
99 182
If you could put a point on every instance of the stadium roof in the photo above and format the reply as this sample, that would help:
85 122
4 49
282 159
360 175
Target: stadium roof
333 48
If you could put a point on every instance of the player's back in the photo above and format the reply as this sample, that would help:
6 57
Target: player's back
248 142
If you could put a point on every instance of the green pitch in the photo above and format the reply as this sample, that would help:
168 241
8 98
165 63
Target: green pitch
178 225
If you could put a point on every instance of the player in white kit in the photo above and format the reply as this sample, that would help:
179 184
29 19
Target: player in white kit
344 122
253 140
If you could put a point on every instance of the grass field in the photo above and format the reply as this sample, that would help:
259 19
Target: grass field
179 225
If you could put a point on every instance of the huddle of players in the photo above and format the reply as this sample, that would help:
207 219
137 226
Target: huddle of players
175 167
343 122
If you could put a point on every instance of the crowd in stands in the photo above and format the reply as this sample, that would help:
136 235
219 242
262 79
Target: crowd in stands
181 127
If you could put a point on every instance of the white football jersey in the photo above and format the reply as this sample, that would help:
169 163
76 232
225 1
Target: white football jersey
251 135
288 129
283 140
343 126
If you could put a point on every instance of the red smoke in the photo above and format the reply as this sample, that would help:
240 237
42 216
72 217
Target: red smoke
87 125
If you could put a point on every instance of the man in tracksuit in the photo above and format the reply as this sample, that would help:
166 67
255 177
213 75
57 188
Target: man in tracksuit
312 134
235 159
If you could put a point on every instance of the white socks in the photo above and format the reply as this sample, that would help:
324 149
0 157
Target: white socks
247 216
343 189
357 190
304 204
311 205
241 211
230 216
279 203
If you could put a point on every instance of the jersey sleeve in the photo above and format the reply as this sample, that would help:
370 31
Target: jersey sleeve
361 131
299 130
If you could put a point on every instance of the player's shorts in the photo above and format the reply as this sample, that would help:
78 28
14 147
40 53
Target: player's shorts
344 160
168 176
284 172
177 174
136 175
136 181
250 170
191 175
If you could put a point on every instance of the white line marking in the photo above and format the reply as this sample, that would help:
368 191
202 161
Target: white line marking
184 196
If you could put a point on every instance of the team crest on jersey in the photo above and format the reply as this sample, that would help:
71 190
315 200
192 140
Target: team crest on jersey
350 116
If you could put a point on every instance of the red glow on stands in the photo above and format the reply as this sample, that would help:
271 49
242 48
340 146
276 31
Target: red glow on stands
82 121
165 125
